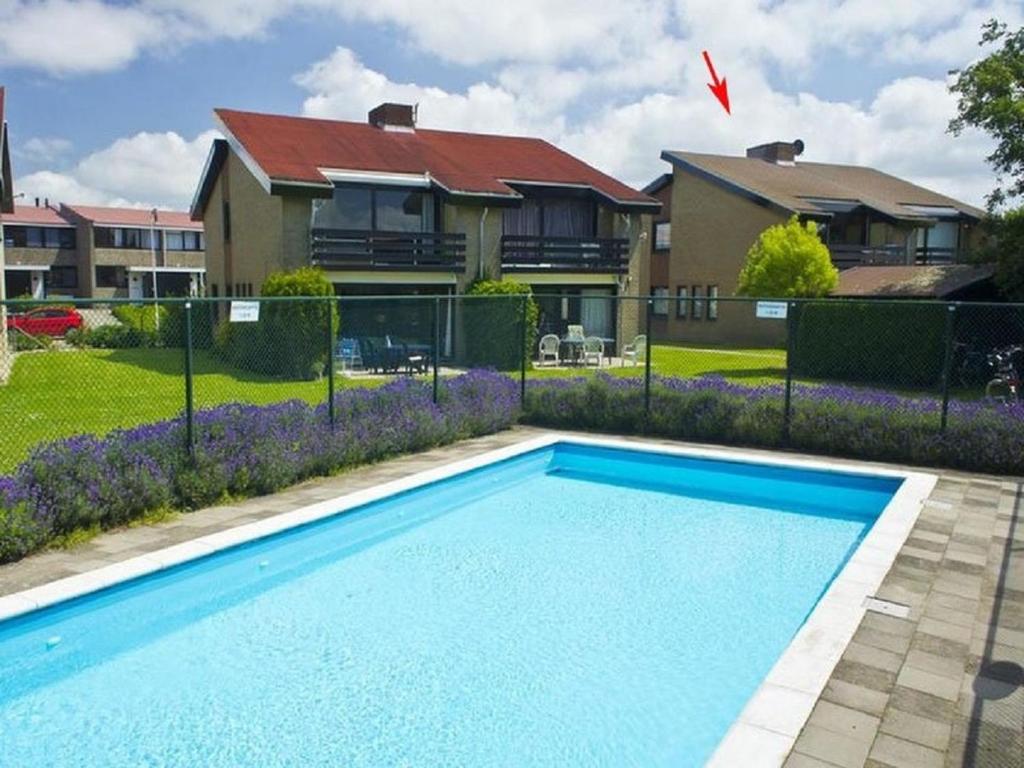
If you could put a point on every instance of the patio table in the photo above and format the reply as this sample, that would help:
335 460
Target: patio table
575 348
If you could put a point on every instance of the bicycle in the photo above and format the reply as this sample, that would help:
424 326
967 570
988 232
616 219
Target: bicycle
1006 386
973 366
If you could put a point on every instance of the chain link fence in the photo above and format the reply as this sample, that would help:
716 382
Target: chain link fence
913 368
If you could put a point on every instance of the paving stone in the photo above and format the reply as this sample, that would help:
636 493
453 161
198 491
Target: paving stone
864 675
855 696
921 704
900 753
929 733
832 747
796 760
884 640
945 630
928 682
892 625
952 668
873 657
844 720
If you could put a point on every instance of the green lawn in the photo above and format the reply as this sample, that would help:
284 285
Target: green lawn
55 394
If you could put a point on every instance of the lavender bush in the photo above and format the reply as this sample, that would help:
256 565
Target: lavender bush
836 420
241 450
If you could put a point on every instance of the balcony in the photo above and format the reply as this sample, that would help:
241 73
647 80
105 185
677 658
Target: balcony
933 255
530 253
351 249
845 256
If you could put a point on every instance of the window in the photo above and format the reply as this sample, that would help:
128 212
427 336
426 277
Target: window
662 235
213 290
175 240
226 220
697 305
682 302
17 236
63 277
385 209
659 307
550 217
712 302
34 237
111 277
124 237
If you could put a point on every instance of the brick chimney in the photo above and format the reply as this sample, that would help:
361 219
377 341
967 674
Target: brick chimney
394 117
777 152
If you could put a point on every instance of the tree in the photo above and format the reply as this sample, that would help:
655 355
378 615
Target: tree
495 324
788 261
1006 249
991 97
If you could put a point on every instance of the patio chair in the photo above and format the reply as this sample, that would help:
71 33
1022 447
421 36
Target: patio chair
635 352
593 349
348 354
548 348
575 333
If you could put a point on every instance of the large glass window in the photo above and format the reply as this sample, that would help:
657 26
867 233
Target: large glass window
697 305
369 208
175 240
682 302
712 302
550 217
124 237
111 277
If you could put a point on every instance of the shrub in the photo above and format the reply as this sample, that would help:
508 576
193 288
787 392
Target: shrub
289 339
240 450
788 260
111 337
898 343
836 420
494 327
142 317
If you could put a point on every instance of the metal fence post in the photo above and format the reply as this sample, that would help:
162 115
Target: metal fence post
522 349
437 342
787 408
647 359
190 437
947 364
330 362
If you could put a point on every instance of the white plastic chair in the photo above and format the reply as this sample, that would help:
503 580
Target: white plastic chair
636 352
593 349
575 333
548 349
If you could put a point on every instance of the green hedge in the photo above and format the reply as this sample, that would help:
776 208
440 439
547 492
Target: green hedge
899 344
493 328
290 338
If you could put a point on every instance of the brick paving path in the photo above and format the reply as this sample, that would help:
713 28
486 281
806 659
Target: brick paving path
942 687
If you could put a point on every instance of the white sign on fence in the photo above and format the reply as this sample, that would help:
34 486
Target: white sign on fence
245 311
774 310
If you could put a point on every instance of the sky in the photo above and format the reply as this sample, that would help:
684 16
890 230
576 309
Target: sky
111 103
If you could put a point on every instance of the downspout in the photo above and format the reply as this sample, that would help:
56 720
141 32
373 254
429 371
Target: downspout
480 265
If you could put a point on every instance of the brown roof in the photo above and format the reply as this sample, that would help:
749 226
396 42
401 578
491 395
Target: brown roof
295 150
38 216
797 187
921 282
132 217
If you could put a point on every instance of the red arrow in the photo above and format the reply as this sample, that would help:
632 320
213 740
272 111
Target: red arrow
720 89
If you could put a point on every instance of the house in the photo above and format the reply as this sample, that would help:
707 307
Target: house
720 204
388 208
101 252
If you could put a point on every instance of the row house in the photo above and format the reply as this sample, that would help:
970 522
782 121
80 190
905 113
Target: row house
388 208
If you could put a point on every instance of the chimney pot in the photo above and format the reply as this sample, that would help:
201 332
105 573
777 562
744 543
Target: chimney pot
393 117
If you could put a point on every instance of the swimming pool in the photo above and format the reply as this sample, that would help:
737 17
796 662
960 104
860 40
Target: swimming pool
569 604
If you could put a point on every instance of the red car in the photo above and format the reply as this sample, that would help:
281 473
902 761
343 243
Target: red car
46 321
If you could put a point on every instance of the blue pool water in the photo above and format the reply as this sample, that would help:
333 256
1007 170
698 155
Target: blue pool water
574 606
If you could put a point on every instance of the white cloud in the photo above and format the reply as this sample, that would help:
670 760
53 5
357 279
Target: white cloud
43 149
138 171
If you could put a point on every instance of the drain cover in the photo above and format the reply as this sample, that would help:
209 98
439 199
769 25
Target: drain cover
887 607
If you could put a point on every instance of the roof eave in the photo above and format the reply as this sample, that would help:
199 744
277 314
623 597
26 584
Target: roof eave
6 175
211 170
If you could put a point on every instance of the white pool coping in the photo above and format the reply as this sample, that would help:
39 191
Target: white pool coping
765 731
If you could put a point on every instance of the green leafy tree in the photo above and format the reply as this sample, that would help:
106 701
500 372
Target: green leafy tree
991 97
788 261
1005 247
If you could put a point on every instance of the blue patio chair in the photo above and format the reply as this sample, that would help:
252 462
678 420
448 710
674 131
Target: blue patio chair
349 354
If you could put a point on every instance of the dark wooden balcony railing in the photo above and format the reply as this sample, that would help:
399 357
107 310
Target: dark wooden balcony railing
530 253
931 255
846 256
360 249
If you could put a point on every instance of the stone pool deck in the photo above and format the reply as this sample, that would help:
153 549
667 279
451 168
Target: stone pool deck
942 687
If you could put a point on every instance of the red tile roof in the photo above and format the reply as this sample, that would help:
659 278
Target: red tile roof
36 216
294 149
133 217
